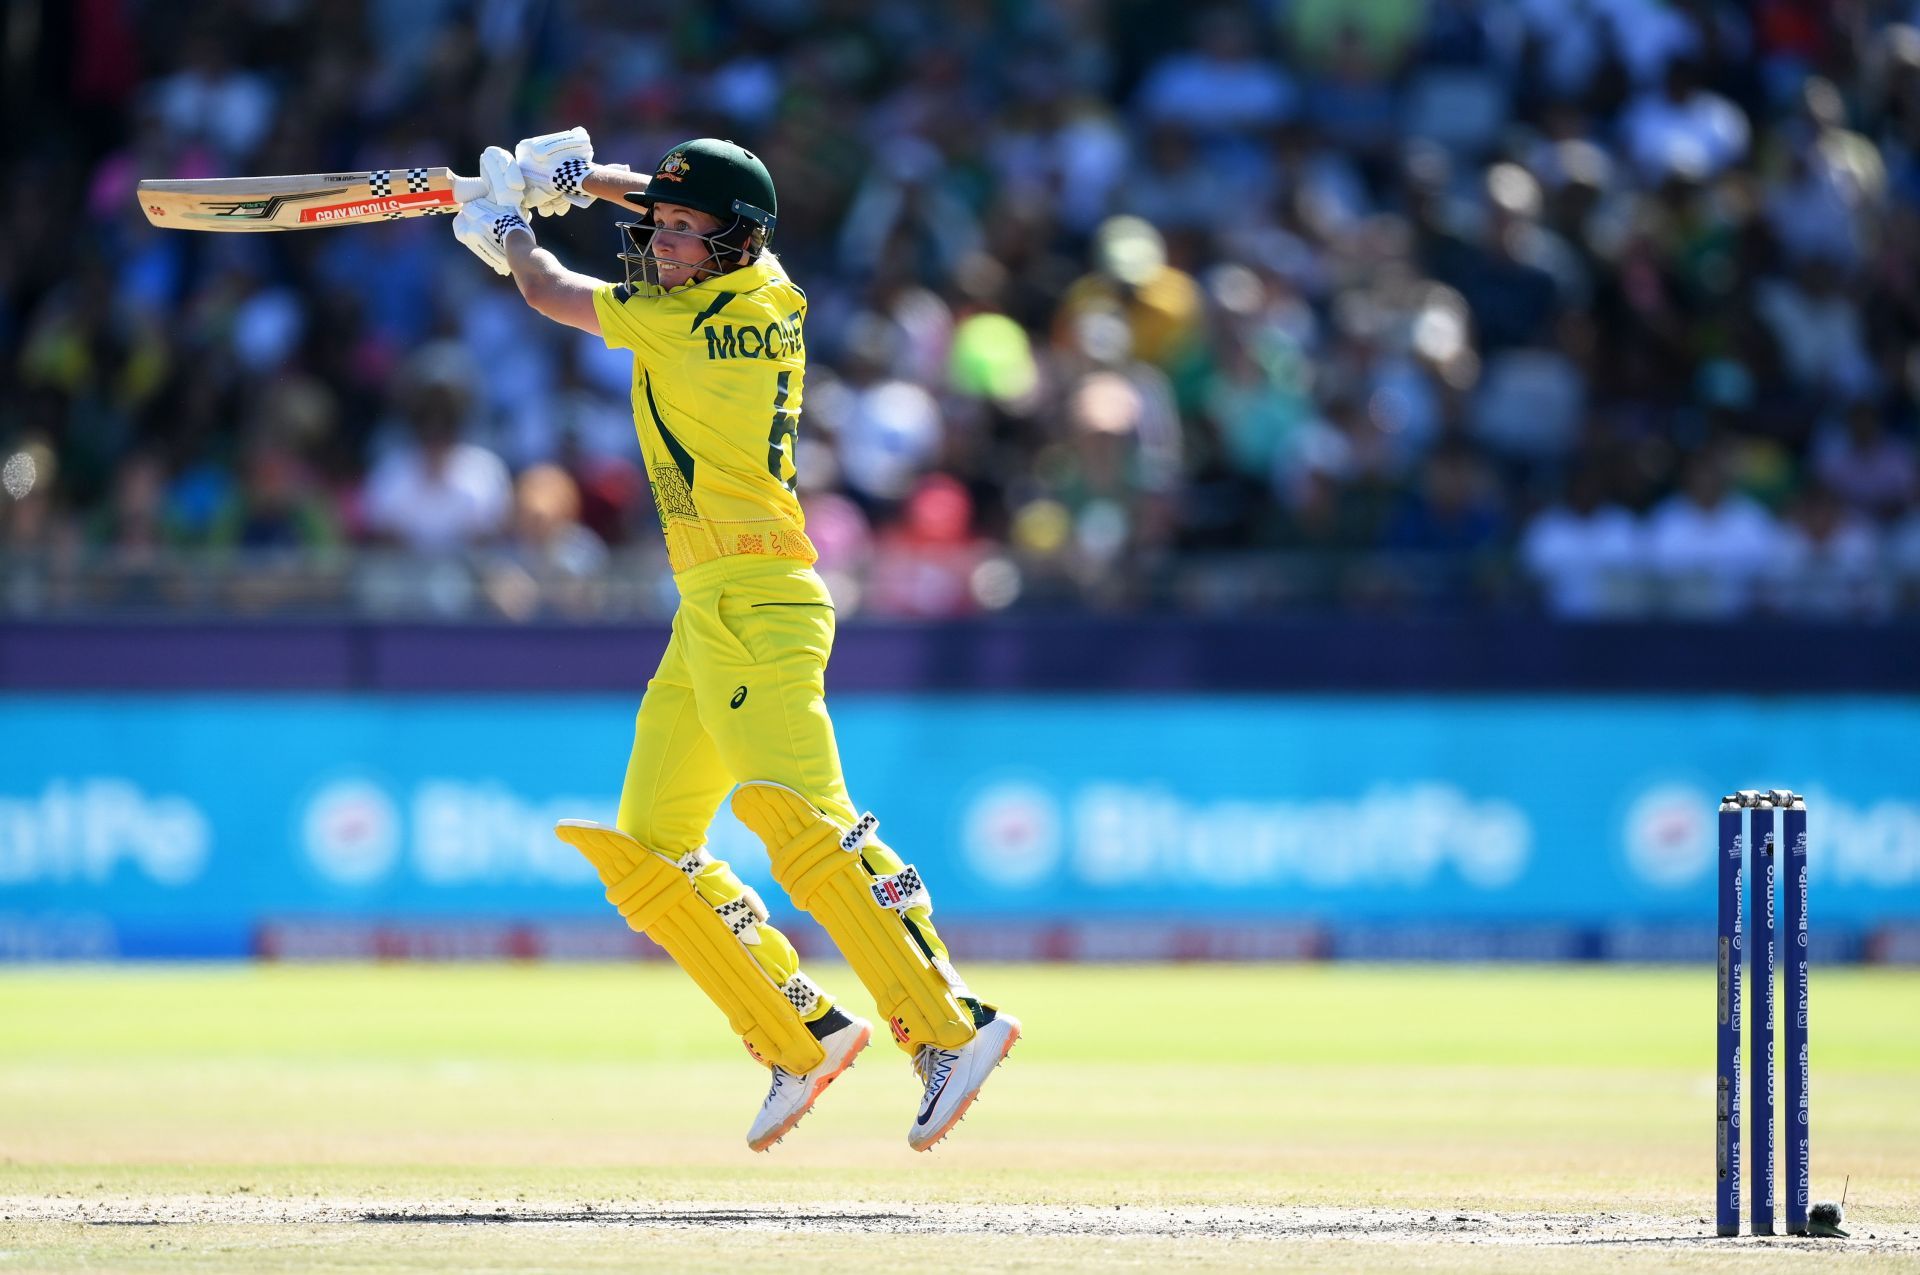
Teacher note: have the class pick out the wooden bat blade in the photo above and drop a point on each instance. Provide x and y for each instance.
(305, 202)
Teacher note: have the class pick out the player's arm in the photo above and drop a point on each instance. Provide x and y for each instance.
(500, 236)
(563, 295)
(614, 182)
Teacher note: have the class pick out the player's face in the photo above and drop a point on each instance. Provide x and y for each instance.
(677, 239)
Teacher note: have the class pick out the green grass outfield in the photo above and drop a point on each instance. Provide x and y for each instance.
(508, 1117)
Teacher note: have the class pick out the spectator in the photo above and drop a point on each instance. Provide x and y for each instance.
(889, 430)
(1860, 463)
(1585, 553)
(1129, 283)
(211, 100)
(924, 565)
(548, 538)
(1457, 508)
(1709, 547)
(1133, 279)
(435, 494)
(1683, 128)
(1220, 85)
(1829, 562)
(1903, 560)
(136, 524)
(275, 506)
(1818, 330)
(549, 561)
(1822, 210)
(1351, 103)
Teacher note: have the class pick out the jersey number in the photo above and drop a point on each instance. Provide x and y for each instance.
(784, 441)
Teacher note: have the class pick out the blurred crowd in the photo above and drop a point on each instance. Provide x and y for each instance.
(1608, 307)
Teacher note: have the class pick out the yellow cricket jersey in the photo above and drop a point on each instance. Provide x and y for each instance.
(717, 373)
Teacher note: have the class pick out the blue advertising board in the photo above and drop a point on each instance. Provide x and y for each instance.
(181, 824)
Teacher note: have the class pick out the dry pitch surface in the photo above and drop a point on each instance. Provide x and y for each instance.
(1222, 1118)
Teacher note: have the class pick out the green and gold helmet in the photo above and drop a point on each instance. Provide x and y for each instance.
(716, 177)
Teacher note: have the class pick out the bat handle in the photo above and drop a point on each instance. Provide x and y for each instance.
(468, 189)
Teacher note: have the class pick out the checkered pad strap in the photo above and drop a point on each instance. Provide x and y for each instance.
(740, 917)
(745, 915)
(569, 173)
(802, 993)
(693, 860)
(902, 890)
(862, 833)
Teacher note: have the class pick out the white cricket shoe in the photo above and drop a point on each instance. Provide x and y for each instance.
(790, 1097)
(953, 1078)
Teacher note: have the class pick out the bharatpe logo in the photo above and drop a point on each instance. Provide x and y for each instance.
(486, 834)
(1669, 836)
(351, 832)
(1011, 833)
(1116, 836)
(444, 832)
(91, 830)
(1669, 841)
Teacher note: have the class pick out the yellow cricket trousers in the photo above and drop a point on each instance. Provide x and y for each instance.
(740, 695)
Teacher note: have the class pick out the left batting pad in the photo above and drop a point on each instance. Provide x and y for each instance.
(821, 866)
(658, 898)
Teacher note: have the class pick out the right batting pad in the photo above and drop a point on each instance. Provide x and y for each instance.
(765, 997)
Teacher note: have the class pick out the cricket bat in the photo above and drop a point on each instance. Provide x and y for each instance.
(306, 202)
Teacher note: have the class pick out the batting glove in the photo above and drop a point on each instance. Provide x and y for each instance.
(553, 167)
(483, 226)
(505, 184)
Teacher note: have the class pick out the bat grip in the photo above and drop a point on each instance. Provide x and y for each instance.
(468, 189)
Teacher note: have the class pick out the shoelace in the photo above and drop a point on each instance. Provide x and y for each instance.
(774, 1090)
(931, 1061)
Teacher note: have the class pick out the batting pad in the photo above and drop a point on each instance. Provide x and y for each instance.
(715, 942)
(821, 866)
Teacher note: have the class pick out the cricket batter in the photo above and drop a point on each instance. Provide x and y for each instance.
(719, 363)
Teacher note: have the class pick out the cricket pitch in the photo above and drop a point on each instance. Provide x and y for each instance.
(556, 1117)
